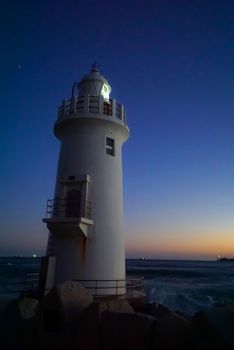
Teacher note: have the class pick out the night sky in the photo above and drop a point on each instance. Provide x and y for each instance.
(171, 63)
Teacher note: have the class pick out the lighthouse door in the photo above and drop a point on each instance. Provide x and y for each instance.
(73, 203)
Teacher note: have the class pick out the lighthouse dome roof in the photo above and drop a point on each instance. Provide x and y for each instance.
(94, 84)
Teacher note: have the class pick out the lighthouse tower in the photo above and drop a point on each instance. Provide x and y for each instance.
(85, 217)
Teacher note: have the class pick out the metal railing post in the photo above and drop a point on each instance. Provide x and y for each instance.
(134, 287)
(57, 208)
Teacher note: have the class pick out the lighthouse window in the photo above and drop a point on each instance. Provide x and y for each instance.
(105, 92)
(110, 146)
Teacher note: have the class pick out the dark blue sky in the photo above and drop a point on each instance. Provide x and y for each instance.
(171, 63)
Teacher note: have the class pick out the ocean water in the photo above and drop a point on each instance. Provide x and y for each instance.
(13, 272)
(188, 286)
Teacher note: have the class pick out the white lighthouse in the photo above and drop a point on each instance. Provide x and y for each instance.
(85, 217)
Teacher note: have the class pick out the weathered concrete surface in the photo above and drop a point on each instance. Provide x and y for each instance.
(118, 305)
(58, 313)
(28, 307)
(90, 322)
(17, 326)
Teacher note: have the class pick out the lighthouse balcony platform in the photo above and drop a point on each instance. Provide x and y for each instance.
(83, 105)
(68, 218)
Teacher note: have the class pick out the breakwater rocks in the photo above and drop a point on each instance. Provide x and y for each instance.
(68, 318)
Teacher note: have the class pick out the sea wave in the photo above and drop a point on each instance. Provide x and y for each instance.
(188, 286)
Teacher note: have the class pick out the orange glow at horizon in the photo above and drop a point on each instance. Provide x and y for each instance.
(205, 244)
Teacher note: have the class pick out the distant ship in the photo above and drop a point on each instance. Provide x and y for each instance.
(219, 258)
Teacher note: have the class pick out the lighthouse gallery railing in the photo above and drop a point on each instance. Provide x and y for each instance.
(134, 286)
(92, 104)
(65, 208)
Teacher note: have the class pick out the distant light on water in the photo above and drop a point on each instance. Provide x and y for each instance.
(34, 255)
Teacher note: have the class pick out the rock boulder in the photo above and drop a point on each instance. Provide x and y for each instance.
(214, 328)
(90, 321)
(58, 312)
(152, 309)
(172, 332)
(126, 331)
(17, 326)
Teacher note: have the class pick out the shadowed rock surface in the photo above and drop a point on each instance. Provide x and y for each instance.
(126, 331)
(17, 324)
(58, 312)
(173, 332)
(214, 328)
(68, 318)
(152, 309)
(90, 322)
